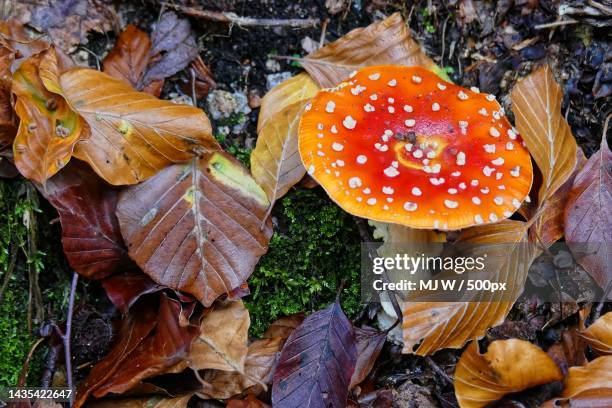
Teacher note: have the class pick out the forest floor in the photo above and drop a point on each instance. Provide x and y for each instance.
(315, 246)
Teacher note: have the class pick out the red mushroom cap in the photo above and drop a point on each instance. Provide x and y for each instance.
(398, 144)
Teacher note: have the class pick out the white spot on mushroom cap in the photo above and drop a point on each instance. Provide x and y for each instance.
(329, 108)
(349, 122)
(354, 182)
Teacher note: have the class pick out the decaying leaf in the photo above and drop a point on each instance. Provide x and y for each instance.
(150, 402)
(588, 216)
(317, 362)
(369, 342)
(90, 231)
(536, 103)
(174, 42)
(296, 89)
(48, 128)
(587, 386)
(258, 368)
(275, 162)
(508, 366)
(222, 341)
(437, 325)
(132, 134)
(196, 227)
(599, 335)
(129, 59)
(387, 42)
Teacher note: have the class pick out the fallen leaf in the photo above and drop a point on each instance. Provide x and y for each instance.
(129, 59)
(284, 326)
(249, 402)
(508, 366)
(549, 227)
(124, 289)
(149, 402)
(133, 135)
(536, 103)
(90, 230)
(437, 325)
(369, 342)
(258, 368)
(588, 216)
(589, 386)
(317, 362)
(275, 162)
(174, 40)
(222, 341)
(48, 128)
(68, 21)
(161, 350)
(599, 335)
(299, 88)
(386, 42)
(195, 227)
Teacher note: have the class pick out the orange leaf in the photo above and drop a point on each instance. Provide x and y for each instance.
(508, 366)
(599, 334)
(133, 135)
(48, 130)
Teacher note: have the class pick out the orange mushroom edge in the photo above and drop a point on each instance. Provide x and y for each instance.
(398, 144)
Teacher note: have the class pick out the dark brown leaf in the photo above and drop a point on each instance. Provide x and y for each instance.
(196, 227)
(317, 362)
(90, 231)
(369, 343)
(588, 216)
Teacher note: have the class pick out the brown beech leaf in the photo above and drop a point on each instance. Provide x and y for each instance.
(132, 134)
(317, 362)
(150, 402)
(284, 326)
(48, 128)
(588, 216)
(508, 366)
(249, 402)
(296, 89)
(222, 341)
(369, 343)
(167, 345)
(129, 58)
(599, 335)
(438, 325)
(589, 386)
(386, 42)
(536, 103)
(275, 162)
(549, 227)
(196, 227)
(90, 230)
(258, 368)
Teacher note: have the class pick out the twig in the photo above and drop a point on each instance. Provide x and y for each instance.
(233, 18)
(436, 368)
(67, 334)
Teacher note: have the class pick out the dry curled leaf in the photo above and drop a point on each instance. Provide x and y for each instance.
(317, 362)
(129, 59)
(589, 386)
(588, 216)
(48, 128)
(508, 366)
(196, 227)
(599, 335)
(132, 134)
(222, 341)
(536, 103)
(386, 42)
(437, 325)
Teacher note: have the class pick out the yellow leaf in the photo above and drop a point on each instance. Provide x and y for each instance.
(48, 128)
(387, 42)
(508, 366)
(133, 135)
(536, 102)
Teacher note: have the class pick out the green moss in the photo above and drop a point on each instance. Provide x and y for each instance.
(317, 246)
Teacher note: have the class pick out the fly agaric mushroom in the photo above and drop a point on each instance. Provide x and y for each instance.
(398, 144)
